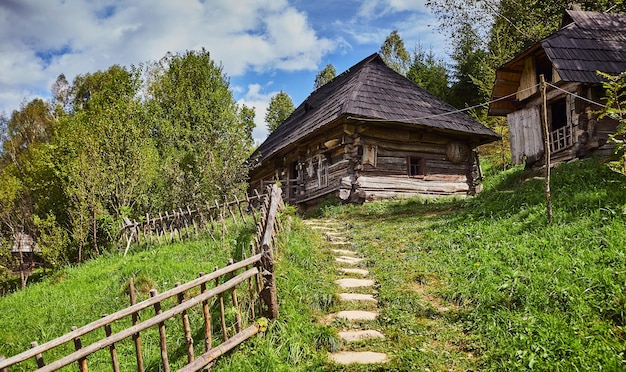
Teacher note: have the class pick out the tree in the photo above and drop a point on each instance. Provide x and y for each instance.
(279, 109)
(616, 109)
(109, 159)
(203, 137)
(325, 76)
(395, 54)
(429, 73)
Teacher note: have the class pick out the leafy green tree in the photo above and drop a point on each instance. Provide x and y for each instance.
(327, 74)
(616, 109)
(471, 71)
(279, 109)
(203, 137)
(110, 159)
(429, 73)
(395, 54)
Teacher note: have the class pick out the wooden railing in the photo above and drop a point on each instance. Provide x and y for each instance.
(258, 272)
(561, 138)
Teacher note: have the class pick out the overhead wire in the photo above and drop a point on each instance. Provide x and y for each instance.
(576, 95)
(484, 104)
(455, 111)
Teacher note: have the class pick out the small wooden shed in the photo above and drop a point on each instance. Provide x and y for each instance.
(371, 133)
(569, 60)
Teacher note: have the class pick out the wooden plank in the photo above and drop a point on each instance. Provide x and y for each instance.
(409, 184)
(206, 358)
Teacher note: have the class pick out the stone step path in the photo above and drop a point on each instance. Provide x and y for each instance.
(354, 278)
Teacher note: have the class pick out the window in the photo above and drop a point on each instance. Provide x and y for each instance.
(415, 166)
(558, 114)
(322, 171)
(560, 130)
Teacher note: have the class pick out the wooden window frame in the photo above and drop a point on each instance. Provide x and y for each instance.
(410, 160)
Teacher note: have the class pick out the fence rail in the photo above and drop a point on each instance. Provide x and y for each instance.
(259, 268)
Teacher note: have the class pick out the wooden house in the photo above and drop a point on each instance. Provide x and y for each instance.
(371, 133)
(569, 60)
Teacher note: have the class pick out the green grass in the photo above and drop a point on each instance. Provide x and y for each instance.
(76, 296)
(80, 295)
(482, 284)
(487, 284)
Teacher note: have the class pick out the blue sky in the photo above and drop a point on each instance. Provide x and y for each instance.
(265, 46)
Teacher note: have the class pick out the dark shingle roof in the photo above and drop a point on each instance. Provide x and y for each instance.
(588, 42)
(592, 42)
(371, 90)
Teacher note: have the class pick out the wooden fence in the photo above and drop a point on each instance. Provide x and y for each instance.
(258, 273)
(188, 222)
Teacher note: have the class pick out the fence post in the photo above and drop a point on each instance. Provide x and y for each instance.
(135, 318)
(186, 327)
(207, 319)
(38, 357)
(162, 334)
(78, 344)
(233, 294)
(267, 262)
(112, 351)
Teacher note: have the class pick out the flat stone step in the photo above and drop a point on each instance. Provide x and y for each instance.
(360, 335)
(357, 297)
(356, 315)
(339, 243)
(361, 272)
(343, 251)
(322, 228)
(354, 283)
(361, 357)
(349, 260)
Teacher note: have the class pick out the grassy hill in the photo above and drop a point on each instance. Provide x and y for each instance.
(487, 284)
(477, 284)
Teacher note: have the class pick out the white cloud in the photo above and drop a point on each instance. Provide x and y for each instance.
(376, 19)
(260, 101)
(39, 40)
(380, 8)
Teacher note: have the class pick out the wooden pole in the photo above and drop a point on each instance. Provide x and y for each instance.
(267, 262)
(546, 137)
(114, 362)
(186, 327)
(162, 334)
(233, 294)
(243, 218)
(135, 318)
(5, 369)
(207, 318)
(78, 344)
(222, 315)
(38, 357)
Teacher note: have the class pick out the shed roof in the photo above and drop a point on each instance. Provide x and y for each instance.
(591, 42)
(371, 90)
(588, 42)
